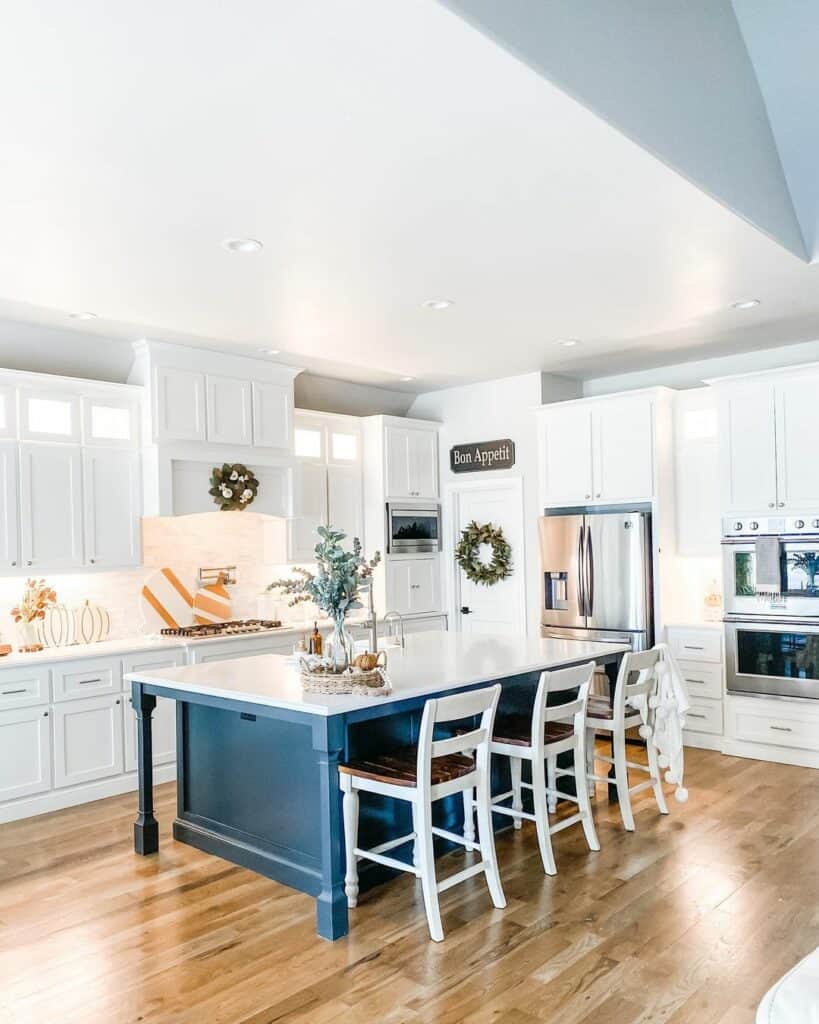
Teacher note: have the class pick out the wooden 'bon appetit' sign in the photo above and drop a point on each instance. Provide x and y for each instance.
(482, 455)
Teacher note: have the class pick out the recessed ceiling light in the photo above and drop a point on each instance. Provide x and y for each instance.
(83, 315)
(568, 342)
(242, 245)
(269, 351)
(437, 303)
(406, 380)
(745, 304)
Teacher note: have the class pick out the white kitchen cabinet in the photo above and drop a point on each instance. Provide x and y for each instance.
(697, 474)
(566, 455)
(88, 740)
(272, 415)
(246, 648)
(344, 499)
(180, 405)
(110, 422)
(8, 411)
(748, 447)
(9, 507)
(414, 585)
(623, 450)
(228, 410)
(311, 511)
(51, 506)
(797, 434)
(47, 415)
(24, 687)
(25, 752)
(112, 499)
(86, 677)
(412, 463)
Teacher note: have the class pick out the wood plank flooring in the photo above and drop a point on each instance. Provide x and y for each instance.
(689, 919)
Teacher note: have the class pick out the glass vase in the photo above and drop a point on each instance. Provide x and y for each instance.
(340, 646)
(29, 636)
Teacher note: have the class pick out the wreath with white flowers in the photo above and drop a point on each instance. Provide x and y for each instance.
(468, 548)
(233, 487)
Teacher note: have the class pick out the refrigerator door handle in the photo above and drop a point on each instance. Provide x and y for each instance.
(589, 574)
(581, 590)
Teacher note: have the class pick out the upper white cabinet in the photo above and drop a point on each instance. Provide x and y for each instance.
(51, 506)
(229, 410)
(411, 462)
(9, 508)
(697, 477)
(413, 585)
(8, 411)
(598, 451)
(110, 422)
(180, 405)
(48, 415)
(272, 415)
(769, 427)
(112, 499)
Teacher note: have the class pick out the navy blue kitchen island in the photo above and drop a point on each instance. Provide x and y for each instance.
(257, 759)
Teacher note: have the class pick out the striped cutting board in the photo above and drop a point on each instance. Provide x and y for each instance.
(166, 602)
(212, 603)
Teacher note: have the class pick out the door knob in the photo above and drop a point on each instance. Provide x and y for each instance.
(465, 610)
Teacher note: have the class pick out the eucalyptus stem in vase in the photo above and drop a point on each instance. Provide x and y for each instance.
(334, 587)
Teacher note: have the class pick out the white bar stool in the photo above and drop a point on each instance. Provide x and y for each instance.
(539, 739)
(432, 771)
(616, 719)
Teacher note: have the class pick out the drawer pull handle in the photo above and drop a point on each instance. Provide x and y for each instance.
(700, 681)
(694, 714)
(782, 728)
(84, 682)
(9, 693)
(692, 647)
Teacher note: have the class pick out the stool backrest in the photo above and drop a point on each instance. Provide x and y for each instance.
(579, 678)
(637, 678)
(481, 702)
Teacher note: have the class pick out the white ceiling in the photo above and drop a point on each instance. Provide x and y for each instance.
(386, 154)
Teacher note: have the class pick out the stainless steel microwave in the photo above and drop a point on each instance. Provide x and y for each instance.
(413, 529)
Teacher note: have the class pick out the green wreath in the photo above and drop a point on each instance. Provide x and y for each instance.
(466, 554)
(233, 487)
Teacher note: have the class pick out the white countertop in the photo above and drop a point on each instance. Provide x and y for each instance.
(429, 663)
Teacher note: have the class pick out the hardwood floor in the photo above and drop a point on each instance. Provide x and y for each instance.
(690, 918)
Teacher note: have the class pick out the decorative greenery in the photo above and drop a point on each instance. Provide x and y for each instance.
(37, 596)
(233, 487)
(335, 587)
(808, 562)
(466, 554)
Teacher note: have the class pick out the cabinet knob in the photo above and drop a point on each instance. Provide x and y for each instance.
(771, 504)
(45, 714)
(597, 495)
(92, 560)
(14, 563)
(781, 504)
(588, 496)
(116, 702)
(29, 562)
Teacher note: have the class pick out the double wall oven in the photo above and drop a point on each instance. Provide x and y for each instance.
(772, 630)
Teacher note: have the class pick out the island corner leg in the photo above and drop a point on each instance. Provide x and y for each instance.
(146, 827)
(332, 921)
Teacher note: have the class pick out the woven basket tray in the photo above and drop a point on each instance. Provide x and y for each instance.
(364, 684)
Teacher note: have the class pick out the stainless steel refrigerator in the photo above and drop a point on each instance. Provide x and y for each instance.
(596, 577)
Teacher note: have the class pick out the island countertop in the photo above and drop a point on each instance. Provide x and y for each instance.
(429, 663)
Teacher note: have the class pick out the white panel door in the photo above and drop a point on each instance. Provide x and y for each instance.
(111, 504)
(272, 415)
(499, 608)
(87, 740)
(748, 447)
(623, 445)
(344, 499)
(398, 579)
(180, 405)
(422, 455)
(228, 404)
(110, 422)
(9, 507)
(398, 462)
(311, 512)
(49, 416)
(51, 506)
(424, 585)
(25, 752)
(566, 456)
(797, 438)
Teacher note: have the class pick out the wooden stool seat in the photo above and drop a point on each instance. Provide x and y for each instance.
(517, 730)
(400, 768)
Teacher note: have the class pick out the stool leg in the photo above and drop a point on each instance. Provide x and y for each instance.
(469, 816)
(416, 860)
(590, 738)
(621, 779)
(350, 812)
(515, 766)
(542, 817)
(654, 765)
(426, 856)
(582, 787)
(551, 769)
(487, 842)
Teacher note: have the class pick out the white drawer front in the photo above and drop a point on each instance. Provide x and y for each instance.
(782, 729)
(87, 678)
(704, 716)
(145, 661)
(695, 644)
(702, 679)
(201, 653)
(24, 687)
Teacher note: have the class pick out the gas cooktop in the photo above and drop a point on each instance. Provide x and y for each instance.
(238, 627)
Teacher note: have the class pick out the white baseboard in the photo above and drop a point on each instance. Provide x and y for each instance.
(768, 752)
(702, 740)
(58, 799)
